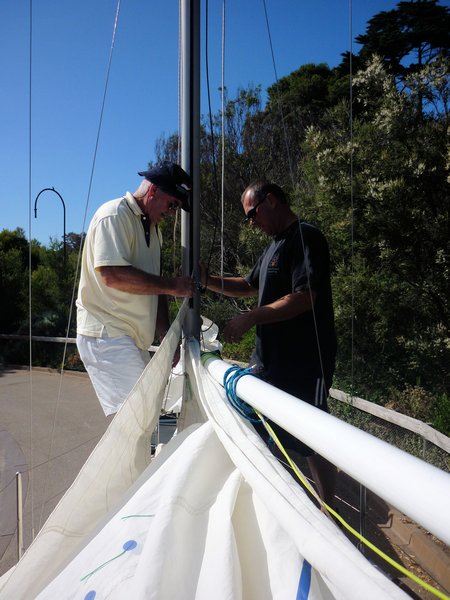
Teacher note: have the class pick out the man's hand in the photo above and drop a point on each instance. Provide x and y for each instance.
(237, 326)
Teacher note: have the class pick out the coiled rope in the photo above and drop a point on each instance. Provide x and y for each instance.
(230, 381)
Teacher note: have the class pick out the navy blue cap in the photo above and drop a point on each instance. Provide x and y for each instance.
(172, 179)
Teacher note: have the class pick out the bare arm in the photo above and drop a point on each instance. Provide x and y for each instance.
(134, 281)
(284, 308)
(162, 317)
(163, 324)
(232, 286)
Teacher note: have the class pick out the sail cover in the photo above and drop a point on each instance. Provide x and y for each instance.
(214, 515)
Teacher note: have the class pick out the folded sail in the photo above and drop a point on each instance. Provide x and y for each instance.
(213, 516)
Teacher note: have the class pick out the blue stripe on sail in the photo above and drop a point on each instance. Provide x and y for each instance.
(305, 582)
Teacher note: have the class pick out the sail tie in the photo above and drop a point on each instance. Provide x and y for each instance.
(230, 381)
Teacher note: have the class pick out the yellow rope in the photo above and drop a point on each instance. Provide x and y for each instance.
(349, 528)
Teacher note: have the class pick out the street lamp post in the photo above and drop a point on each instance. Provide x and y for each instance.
(52, 189)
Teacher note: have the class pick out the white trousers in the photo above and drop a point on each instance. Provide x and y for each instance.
(114, 365)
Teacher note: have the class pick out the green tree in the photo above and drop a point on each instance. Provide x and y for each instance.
(411, 35)
(407, 38)
(14, 261)
(390, 248)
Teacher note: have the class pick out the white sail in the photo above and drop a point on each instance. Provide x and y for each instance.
(213, 516)
(116, 462)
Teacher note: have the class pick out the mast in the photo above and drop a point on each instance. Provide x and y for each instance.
(190, 151)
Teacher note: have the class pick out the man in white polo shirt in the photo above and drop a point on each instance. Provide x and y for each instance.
(122, 302)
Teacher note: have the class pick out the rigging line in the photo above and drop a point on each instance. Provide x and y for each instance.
(352, 207)
(352, 245)
(179, 83)
(222, 249)
(81, 245)
(291, 172)
(213, 144)
(279, 101)
(29, 261)
(308, 277)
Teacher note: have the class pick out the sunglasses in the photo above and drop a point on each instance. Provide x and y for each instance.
(250, 216)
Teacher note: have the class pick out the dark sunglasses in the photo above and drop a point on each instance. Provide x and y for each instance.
(250, 216)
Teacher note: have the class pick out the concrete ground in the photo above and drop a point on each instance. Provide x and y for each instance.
(67, 422)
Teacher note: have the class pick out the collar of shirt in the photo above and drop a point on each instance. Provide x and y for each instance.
(131, 201)
(133, 205)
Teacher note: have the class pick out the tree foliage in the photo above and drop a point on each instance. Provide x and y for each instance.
(408, 37)
(50, 280)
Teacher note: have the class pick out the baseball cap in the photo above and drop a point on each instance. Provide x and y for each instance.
(172, 179)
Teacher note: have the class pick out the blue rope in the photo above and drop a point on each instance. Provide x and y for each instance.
(230, 381)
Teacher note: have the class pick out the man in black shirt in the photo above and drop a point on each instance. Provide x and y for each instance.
(295, 337)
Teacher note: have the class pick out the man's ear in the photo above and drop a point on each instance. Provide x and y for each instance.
(272, 200)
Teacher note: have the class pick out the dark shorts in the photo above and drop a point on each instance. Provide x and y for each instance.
(313, 391)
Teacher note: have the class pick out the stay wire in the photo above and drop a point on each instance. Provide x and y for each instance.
(352, 204)
(30, 328)
(230, 380)
(211, 126)
(279, 101)
(293, 182)
(179, 87)
(222, 247)
(180, 83)
(177, 220)
(81, 242)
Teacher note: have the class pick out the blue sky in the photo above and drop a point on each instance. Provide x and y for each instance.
(70, 50)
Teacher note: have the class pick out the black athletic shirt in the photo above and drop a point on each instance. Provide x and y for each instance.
(287, 352)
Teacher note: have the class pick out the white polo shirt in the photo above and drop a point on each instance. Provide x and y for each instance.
(116, 238)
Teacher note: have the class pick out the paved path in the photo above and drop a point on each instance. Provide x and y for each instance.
(67, 422)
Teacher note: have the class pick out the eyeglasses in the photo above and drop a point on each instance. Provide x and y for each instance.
(250, 216)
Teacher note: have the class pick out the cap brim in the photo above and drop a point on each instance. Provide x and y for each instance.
(178, 192)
